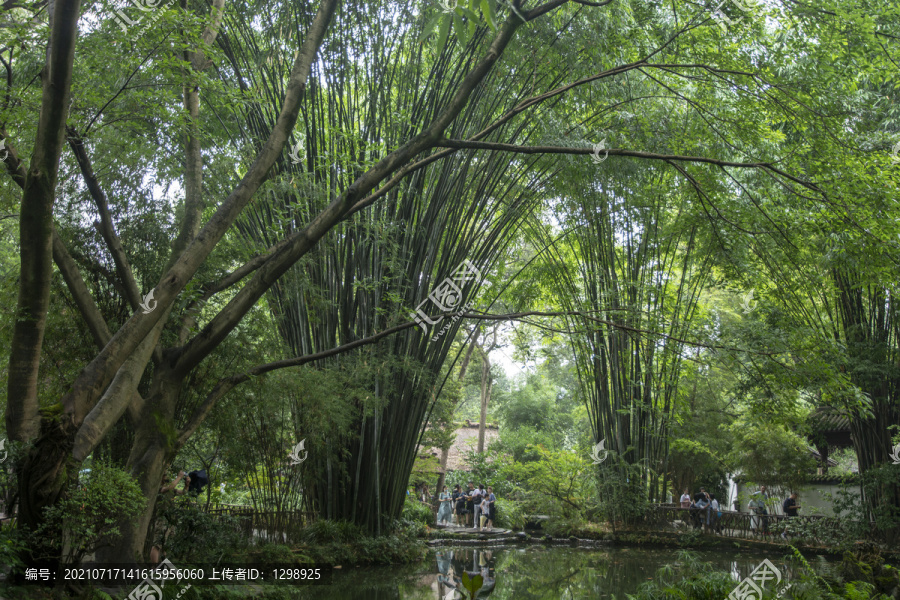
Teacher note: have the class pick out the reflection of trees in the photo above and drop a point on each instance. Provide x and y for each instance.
(538, 573)
(532, 573)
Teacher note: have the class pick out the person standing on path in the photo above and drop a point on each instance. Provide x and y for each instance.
(701, 502)
(758, 505)
(485, 511)
(477, 496)
(685, 499)
(492, 508)
(470, 505)
(461, 509)
(713, 514)
(790, 507)
(444, 510)
(454, 505)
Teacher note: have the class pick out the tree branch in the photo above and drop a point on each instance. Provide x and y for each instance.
(225, 385)
(614, 152)
(106, 227)
(95, 377)
(83, 299)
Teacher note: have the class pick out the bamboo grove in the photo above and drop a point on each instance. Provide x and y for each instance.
(251, 190)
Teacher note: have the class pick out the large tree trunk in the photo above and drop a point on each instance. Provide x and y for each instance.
(151, 453)
(36, 225)
(44, 476)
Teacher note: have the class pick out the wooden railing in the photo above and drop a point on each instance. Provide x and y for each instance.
(281, 526)
(816, 529)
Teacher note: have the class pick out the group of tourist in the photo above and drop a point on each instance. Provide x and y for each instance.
(475, 506)
(705, 511)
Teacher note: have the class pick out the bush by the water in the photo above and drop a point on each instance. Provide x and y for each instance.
(858, 577)
(510, 515)
(88, 516)
(201, 537)
(339, 542)
(416, 512)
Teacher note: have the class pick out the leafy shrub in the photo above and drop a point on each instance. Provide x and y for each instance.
(201, 537)
(325, 531)
(510, 515)
(275, 553)
(877, 482)
(691, 579)
(87, 516)
(416, 512)
(335, 542)
(622, 498)
(11, 548)
(563, 527)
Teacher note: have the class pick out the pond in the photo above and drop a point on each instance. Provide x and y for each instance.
(531, 572)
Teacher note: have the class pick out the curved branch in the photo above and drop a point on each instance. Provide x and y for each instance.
(227, 384)
(106, 227)
(633, 153)
(95, 377)
(83, 299)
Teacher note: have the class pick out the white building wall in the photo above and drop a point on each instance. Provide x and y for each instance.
(814, 498)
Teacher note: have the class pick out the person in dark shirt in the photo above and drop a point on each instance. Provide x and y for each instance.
(790, 507)
(461, 509)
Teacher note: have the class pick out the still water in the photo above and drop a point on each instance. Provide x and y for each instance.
(523, 573)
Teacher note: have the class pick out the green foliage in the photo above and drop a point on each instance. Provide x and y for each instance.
(510, 514)
(622, 500)
(532, 405)
(89, 515)
(275, 553)
(416, 512)
(340, 542)
(11, 547)
(472, 584)
(324, 530)
(691, 579)
(557, 484)
(688, 579)
(201, 537)
(770, 454)
(858, 519)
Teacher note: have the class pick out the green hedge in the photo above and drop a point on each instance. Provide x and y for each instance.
(510, 515)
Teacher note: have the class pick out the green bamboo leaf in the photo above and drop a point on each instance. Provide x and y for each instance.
(459, 27)
(490, 13)
(443, 32)
(430, 24)
(470, 14)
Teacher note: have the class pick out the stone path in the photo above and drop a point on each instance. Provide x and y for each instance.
(472, 530)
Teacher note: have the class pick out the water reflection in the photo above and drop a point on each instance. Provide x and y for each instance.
(529, 573)
(451, 565)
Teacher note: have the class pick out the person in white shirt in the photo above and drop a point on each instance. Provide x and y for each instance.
(713, 514)
(485, 512)
(685, 500)
(477, 496)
